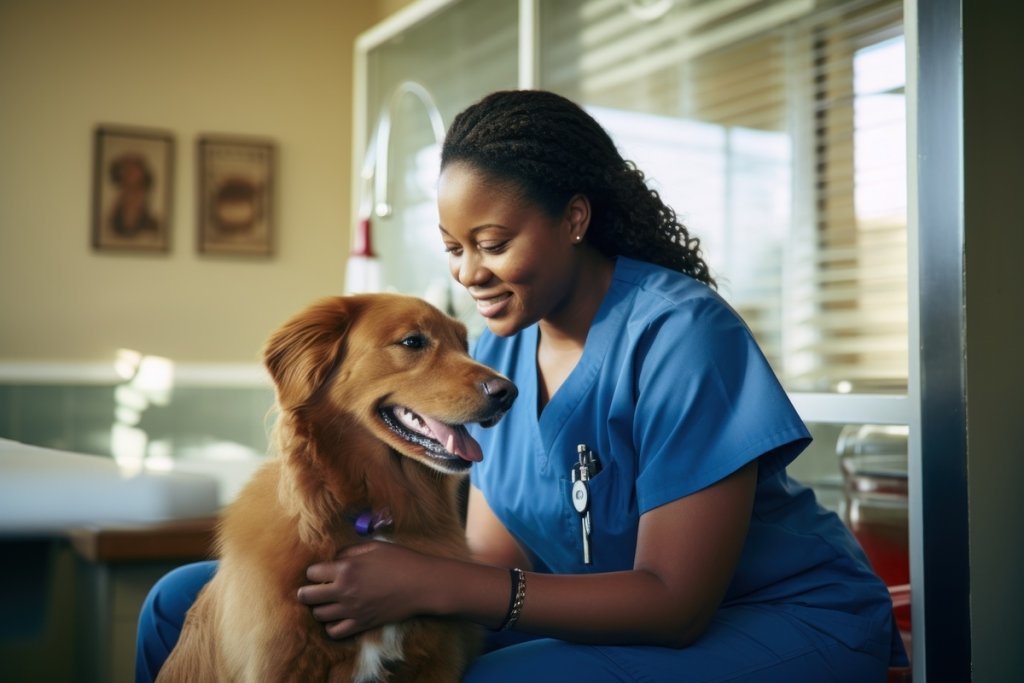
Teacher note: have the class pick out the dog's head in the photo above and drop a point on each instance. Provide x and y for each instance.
(395, 365)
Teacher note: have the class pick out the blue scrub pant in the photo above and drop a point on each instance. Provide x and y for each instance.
(744, 644)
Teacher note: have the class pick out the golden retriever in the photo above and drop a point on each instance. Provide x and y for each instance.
(373, 392)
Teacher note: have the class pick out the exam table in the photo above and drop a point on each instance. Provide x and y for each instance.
(81, 541)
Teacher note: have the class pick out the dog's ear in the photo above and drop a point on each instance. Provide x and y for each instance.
(304, 351)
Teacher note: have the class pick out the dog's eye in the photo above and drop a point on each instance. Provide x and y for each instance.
(414, 341)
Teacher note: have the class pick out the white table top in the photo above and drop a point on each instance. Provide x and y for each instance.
(47, 491)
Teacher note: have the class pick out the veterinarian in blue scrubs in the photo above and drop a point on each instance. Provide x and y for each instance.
(632, 517)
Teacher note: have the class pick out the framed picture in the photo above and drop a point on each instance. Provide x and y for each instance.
(235, 195)
(132, 181)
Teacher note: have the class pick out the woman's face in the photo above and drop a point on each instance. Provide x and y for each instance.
(514, 259)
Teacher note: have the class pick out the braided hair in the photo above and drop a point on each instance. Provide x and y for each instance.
(551, 149)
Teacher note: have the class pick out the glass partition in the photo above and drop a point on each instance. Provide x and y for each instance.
(416, 81)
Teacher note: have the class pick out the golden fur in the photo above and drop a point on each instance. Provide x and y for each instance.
(335, 365)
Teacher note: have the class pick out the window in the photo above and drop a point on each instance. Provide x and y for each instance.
(785, 125)
(775, 129)
(411, 88)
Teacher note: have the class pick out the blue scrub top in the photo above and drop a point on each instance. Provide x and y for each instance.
(672, 394)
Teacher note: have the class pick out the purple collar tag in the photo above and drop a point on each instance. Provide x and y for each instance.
(369, 523)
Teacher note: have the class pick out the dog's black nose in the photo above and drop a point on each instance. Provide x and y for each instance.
(501, 392)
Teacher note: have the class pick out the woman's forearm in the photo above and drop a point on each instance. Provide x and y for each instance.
(630, 607)
(687, 551)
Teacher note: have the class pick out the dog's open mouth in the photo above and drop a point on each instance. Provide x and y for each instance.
(451, 443)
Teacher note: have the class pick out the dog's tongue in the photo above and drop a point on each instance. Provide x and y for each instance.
(456, 440)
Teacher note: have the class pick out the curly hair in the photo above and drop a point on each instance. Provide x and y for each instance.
(551, 149)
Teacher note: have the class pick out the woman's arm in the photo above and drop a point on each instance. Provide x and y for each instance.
(687, 551)
(686, 554)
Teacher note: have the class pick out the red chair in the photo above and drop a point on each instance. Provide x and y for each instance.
(901, 610)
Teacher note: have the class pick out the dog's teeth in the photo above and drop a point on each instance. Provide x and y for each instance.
(414, 417)
(450, 445)
(411, 420)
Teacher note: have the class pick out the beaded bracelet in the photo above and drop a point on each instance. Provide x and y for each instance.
(517, 596)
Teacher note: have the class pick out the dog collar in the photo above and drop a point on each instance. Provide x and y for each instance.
(368, 523)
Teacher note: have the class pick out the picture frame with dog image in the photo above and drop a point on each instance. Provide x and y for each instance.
(235, 193)
(133, 175)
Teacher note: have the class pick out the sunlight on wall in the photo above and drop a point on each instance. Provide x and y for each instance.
(138, 441)
(149, 380)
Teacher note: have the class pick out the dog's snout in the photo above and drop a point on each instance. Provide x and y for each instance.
(500, 391)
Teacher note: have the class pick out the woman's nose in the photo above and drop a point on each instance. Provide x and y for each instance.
(470, 271)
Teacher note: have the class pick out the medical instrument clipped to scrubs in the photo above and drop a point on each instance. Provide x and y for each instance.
(582, 472)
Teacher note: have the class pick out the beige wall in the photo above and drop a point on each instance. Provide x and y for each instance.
(388, 7)
(280, 70)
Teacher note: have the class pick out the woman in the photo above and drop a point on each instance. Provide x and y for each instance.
(703, 561)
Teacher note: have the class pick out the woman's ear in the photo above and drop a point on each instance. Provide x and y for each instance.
(577, 217)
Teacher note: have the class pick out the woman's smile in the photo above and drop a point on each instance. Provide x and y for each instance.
(493, 306)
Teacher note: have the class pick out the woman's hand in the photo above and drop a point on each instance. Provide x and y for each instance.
(366, 586)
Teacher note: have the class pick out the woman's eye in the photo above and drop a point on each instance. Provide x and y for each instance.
(453, 249)
(414, 341)
(492, 247)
